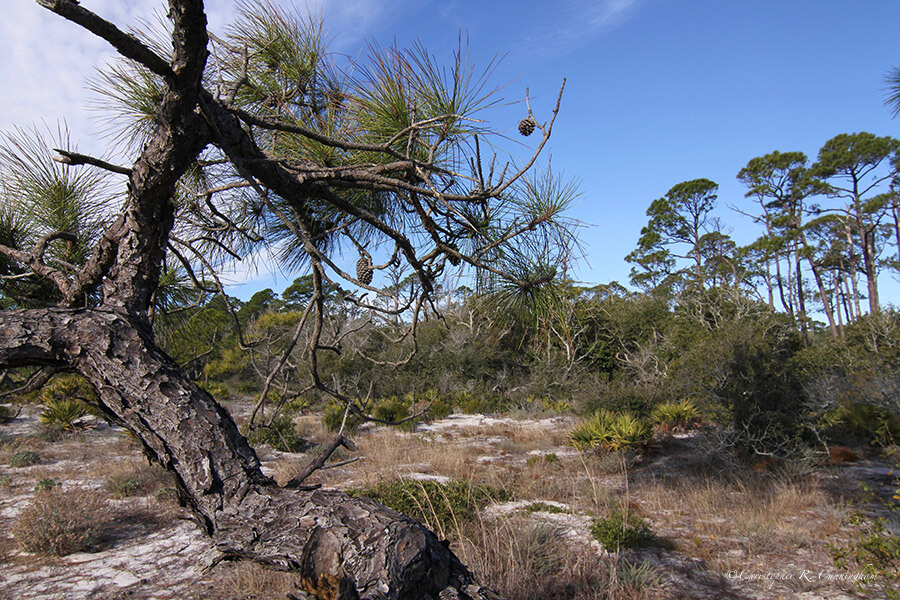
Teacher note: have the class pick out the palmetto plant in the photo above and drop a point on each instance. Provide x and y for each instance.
(611, 431)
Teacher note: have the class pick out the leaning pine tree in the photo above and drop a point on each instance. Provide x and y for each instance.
(233, 145)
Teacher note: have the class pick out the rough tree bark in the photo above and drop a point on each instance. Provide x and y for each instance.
(342, 547)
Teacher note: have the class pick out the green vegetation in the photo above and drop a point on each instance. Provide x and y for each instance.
(62, 414)
(611, 432)
(281, 434)
(621, 531)
(48, 483)
(679, 415)
(440, 506)
(24, 458)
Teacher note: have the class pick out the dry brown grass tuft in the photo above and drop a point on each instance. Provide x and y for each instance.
(57, 522)
(533, 561)
(250, 581)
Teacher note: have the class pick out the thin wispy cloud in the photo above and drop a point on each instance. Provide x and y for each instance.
(578, 22)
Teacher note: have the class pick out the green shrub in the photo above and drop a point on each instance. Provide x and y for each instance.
(611, 431)
(333, 416)
(873, 424)
(125, 486)
(68, 386)
(875, 554)
(166, 495)
(441, 408)
(682, 414)
(57, 523)
(48, 483)
(24, 458)
(281, 435)
(620, 531)
(392, 410)
(62, 413)
(7, 413)
(5, 481)
(439, 506)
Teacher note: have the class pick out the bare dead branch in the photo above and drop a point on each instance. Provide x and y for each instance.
(74, 158)
(126, 44)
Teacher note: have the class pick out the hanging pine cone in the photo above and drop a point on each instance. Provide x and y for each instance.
(454, 260)
(526, 126)
(364, 269)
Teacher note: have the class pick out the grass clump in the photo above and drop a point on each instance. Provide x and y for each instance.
(24, 458)
(142, 480)
(621, 531)
(280, 434)
(57, 523)
(439, 506)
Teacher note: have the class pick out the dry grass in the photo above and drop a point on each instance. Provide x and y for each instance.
(533, 561)
(137, 479)
(57, 523)
(249, 581)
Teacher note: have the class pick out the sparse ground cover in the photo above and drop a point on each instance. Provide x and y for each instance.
(513, 497)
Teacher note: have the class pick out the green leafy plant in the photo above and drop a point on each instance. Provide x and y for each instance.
(281, 434)
(610, 431)
(333, 416)
(24, 458)
(621, 530)
(7, 414)
(394, 409)
(675, 415)
(874, 424)
(62, 413)
(48, 483)
(5, 481)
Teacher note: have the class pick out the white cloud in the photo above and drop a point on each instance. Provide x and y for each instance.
(578, 22)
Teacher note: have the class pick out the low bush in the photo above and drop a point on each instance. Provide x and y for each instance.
(58, 523)
(333, 416)
(281, 434)
(7, 413)
(48, 483)
(872, 424)
(621, 531)
(24, 458)
(393, 410)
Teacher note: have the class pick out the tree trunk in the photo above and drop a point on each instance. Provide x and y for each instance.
(343, 547)
(854, 277)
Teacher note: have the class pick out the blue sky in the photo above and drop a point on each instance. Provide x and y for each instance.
(658, 92)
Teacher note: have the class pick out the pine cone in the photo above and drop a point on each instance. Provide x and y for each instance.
(526, 126)
(454, 260)
(364, 269)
